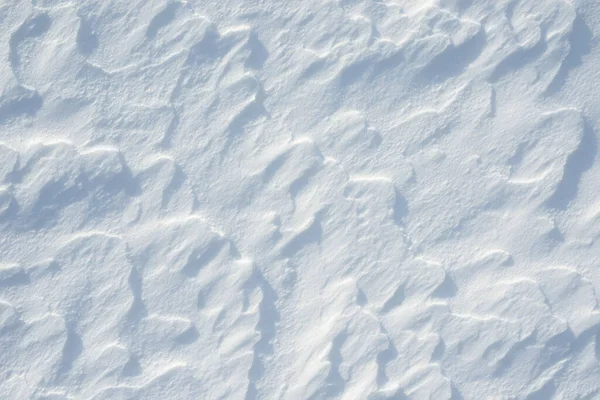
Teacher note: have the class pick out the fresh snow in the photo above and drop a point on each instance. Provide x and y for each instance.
(270, 199)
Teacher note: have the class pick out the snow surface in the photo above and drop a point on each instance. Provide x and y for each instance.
(299, 199)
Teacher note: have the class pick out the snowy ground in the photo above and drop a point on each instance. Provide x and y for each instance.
(299, 199)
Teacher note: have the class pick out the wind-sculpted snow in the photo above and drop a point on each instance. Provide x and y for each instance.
(343, 199)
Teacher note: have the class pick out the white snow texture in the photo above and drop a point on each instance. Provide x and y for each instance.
(349, 199)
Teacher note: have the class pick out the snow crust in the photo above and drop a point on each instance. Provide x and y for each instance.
(299, 200)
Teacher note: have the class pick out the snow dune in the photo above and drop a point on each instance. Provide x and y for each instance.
(344, 199)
